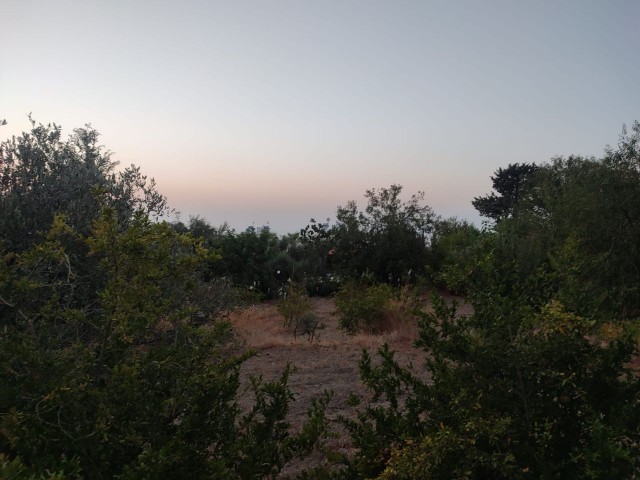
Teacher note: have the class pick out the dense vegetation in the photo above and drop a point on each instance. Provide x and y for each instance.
(116, 360)
(537, 382)
(114, 356)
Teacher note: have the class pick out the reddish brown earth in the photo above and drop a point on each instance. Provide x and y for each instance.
(329, 362)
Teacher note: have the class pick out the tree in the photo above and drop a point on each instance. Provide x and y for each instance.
(577, 219)
(42, 175)
(510, 184)
(454, 248)
(251, 260)
(580, 222)
(313, 251)
(537, 382)
(592, 223)
(388, 240)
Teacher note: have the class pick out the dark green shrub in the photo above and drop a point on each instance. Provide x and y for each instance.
(322, 286)
(114, 359)
(363, 307)
(140, 384)
(455, 246)
(515, 391)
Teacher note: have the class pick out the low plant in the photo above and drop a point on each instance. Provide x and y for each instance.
(308, 325)
(295, 307)
(363, 307)
(402, 308)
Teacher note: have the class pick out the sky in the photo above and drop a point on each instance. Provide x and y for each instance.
(274, 112)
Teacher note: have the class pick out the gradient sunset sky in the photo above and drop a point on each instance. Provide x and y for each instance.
(278, 111)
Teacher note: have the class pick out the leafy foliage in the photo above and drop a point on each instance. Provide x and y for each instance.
(579, 224)
(296, 309)
(388, 240)
(250, 260)
(313, 251)
(454, 248)
(363, 307)
(515, 392)
(140, 384)
(114, 358)
(537, 382)
(42, 175)
(510, 183)
(116, 361)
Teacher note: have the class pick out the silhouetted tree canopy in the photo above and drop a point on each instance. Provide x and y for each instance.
(509, 184)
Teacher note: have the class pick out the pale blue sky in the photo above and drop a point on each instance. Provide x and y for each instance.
(279, 111)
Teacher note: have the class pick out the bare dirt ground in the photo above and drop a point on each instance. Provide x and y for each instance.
(329, 362)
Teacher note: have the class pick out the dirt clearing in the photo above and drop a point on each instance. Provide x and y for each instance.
(330, 362)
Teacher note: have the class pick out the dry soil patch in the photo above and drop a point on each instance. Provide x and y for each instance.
(330, 362)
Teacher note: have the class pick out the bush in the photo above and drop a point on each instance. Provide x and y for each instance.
(140, 384)
(322, 286)
(516, 392)
(455, 246)
(308, 325)
(403, 308)
(114, 359)
(295, 307)
(364, 307)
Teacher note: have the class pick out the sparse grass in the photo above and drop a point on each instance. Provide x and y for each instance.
(329, 362)
(260, 326)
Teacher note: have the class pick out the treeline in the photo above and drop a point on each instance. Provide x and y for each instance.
(116, 360)
(387, 242)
